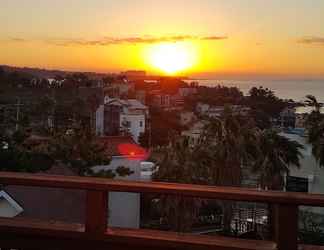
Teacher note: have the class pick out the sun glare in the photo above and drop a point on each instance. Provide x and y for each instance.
(172, 58)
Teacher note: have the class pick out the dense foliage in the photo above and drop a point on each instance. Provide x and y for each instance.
(225, 146)
(265, 106)
(315, 127)
(17, 157)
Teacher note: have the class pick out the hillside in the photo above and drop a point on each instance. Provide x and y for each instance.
(47, 73)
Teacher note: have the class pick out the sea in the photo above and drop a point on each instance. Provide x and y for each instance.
(285, 89)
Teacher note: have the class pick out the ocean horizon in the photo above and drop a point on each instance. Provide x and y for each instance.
(285, 89)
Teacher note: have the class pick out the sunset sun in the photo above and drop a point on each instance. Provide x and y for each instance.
(172, 58)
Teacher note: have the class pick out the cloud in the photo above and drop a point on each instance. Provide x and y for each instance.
(106, 41)
(314, 40)
(213, 38)
(18, 39)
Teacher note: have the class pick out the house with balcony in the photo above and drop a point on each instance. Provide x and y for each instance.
(213, 111)
(125, 117)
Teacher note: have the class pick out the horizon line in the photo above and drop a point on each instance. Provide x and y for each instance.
(193, 76)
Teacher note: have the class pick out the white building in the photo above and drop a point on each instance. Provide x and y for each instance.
(309, 170)
(124, 208)
(134, 123)
(217, 111)
(131, 115)
(209, 110)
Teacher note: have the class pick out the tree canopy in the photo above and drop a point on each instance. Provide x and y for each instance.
(226, 145)
(265, 105)
(315, 128)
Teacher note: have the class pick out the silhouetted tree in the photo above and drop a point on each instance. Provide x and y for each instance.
(144, 139)
(315, 128)
(17, 157)
(165, 126)
(264, 105)
(79, 149)
(178, 164)
(276, 155)
(216, 159)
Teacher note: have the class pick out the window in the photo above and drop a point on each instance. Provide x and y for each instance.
(141, 124)
(126, 124)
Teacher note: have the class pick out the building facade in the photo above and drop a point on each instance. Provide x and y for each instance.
(125, 117)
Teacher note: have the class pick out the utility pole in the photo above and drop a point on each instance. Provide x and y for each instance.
(150, 133)
(17, 113)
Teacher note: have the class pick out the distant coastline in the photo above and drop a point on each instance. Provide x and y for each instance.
(295, 89)
(286, 89)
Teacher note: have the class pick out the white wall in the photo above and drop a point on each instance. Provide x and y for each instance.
(124, 208)
(309, 169)
(135, 129)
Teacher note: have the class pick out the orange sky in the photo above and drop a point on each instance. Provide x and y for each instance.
(233, 37)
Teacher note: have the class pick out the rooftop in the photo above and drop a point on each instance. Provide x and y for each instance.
(122, 146)
(130, 103)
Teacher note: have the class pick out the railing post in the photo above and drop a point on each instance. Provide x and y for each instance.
(96, 212)
(284, 226)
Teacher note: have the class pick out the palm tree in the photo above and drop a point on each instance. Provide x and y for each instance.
(225, 146)
(46, 109)
(315, 127)
(230, 143)
(177, 163)
(312, 101)
(216, 159)
(79, 149)
(276, 155)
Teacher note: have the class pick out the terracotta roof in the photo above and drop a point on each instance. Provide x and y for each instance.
(112, 144)
(131, 103)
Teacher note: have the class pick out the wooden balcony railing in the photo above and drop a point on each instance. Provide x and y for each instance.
(95, 234)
